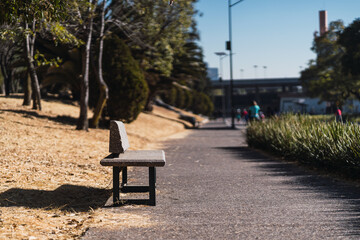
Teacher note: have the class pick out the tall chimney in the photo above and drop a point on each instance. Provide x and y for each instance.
(323, 22)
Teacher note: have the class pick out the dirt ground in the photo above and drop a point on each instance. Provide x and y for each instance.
(51, 183)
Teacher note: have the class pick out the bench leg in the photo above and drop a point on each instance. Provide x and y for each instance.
(116, 187)
(152, 181)
(124, 176)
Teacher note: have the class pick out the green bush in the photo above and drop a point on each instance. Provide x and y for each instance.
(326, 145)
(197, 102)
(188, 99)
(180, 98)
(209, 106)
(128, 90)
(202, 104)
(168, 96)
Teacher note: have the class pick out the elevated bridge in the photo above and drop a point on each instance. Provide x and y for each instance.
(267, 92)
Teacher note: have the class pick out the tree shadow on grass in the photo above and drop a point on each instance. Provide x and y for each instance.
(65, 198)
(301, 178)
(60, 119)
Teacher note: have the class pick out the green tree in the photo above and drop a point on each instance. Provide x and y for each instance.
(83, 123)
(80, 20)
(202, 104)
(127, 88)
(189, 66)
(100, 14)
(29, 17)
(67, 74)
(350, 41)
(7, 48)
(169, 96)
(324, 77)
(188, 99)
(180, 98)
(160, 34)
(104, 90)
(190, 72)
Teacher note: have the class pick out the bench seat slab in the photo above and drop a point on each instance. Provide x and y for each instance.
(140, 158)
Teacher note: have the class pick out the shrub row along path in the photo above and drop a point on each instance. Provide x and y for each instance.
(215, 187)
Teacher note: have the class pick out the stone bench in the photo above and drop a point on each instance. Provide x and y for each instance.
(121, 158)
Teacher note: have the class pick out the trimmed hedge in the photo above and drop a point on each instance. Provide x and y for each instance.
(202, 104)
(128, 89)
(326, 145)
(197, 102)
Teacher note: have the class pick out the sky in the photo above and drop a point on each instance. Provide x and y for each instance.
(275, 35)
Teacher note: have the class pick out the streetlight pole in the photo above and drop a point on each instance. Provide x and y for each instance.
(242, 73)
(265, 67)
(231, 66)
(222, 55)
(255, 71)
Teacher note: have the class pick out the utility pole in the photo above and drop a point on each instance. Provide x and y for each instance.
(265, 67)
(221, 56)
(229, 47)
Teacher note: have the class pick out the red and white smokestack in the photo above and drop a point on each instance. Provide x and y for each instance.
(323, 22)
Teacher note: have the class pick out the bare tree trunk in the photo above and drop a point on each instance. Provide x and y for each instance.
(14, 82)
(7, 79)
(27, 90)
(6, 74)
(6, 85)
(83, 122)
(3, 88)
(104, 91)
(3, 83)
(30, 44)
(150, 101)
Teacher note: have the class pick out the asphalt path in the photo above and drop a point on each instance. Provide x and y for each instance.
(214, 187)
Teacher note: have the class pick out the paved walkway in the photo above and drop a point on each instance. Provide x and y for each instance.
(215, 187)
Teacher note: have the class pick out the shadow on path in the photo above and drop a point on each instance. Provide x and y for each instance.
(215, 128)
(66, 198)
(301, 179)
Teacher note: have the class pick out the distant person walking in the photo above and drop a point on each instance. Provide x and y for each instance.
(245, 115)
(338, 115)
(238, 115)
(254, 112)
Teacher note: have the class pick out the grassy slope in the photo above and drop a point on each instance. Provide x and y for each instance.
(51, 182)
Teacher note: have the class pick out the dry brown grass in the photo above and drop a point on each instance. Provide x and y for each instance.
(51, 182)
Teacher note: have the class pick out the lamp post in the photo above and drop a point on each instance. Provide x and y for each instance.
(255, 71)
(265, 67)
(229, 47)
(221, 56)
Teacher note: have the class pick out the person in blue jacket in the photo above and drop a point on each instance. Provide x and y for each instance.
(254, 112)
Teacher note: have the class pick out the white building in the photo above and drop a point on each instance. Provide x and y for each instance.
(302, 105)
(309, 105)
